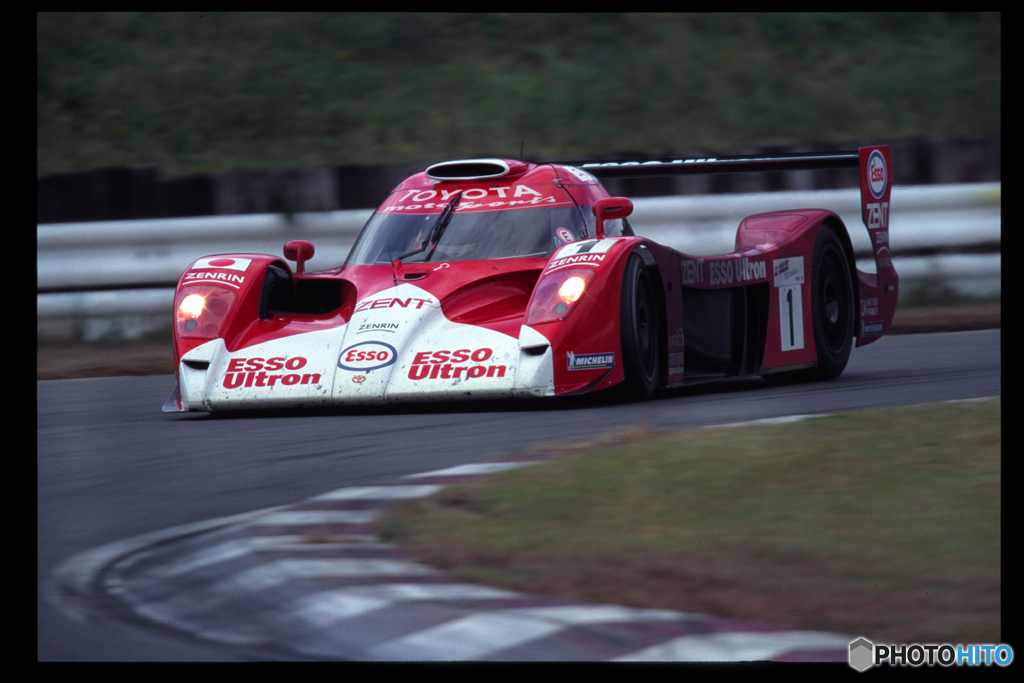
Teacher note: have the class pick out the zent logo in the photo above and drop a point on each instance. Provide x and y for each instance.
(878, 217)
(367, 356)
(692, 271)
(411, 302)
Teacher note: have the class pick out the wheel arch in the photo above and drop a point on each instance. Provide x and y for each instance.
(837, 225)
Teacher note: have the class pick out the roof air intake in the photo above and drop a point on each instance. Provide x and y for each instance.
(468, 169)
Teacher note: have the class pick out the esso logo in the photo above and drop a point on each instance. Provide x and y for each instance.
(878, 174)
(366, 356)
(564, 236)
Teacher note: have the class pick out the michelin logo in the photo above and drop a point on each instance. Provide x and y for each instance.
(590, 361)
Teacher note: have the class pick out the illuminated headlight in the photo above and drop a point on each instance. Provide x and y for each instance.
(200, 311)
(191, 306)
(572, 289)
(556, 294)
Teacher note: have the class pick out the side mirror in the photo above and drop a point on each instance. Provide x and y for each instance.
(610, 207)
(299, 251)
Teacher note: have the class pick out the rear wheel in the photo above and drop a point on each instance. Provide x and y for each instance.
(831, 304)
(639, 330)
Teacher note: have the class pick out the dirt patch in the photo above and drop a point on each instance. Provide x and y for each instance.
(77, 361)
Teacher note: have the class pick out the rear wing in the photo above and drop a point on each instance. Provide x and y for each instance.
(874, 164)
(875, 179)
(738, 164)
(878, 291)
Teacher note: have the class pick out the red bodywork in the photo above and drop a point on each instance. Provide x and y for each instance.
(744, 313)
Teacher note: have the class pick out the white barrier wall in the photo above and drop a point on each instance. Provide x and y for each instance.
(85, 257)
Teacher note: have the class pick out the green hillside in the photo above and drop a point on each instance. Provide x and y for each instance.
(201, 92)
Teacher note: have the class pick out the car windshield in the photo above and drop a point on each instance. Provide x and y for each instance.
(471, 235)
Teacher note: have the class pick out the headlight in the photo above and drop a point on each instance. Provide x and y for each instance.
(200, 311)
(557, 293)
(191, 306)
(572, 289)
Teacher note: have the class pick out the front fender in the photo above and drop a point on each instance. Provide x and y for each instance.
(585, 341)
(217, 297)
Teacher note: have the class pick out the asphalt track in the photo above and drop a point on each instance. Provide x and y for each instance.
(112, 468)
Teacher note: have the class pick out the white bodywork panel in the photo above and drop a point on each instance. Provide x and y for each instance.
(397, 346)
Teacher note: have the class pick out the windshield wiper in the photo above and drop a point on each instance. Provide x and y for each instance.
(435, 233)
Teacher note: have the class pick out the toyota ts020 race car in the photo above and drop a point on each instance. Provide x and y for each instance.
(489, 278)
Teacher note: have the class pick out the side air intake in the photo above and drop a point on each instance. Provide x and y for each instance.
(469, 169)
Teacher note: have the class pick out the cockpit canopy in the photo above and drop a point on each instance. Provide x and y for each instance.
(520, 233)
(483, 209)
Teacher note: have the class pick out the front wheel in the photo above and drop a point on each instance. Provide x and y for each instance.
(639, 330)
(832, 304)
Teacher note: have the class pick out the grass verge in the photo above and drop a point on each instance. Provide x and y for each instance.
(883, 523)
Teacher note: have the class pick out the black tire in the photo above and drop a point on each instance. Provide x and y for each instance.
(832, 304)
(639, 330)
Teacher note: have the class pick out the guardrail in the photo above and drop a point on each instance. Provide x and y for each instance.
(116, 279)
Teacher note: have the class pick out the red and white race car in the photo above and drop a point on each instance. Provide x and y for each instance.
(489, 278)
